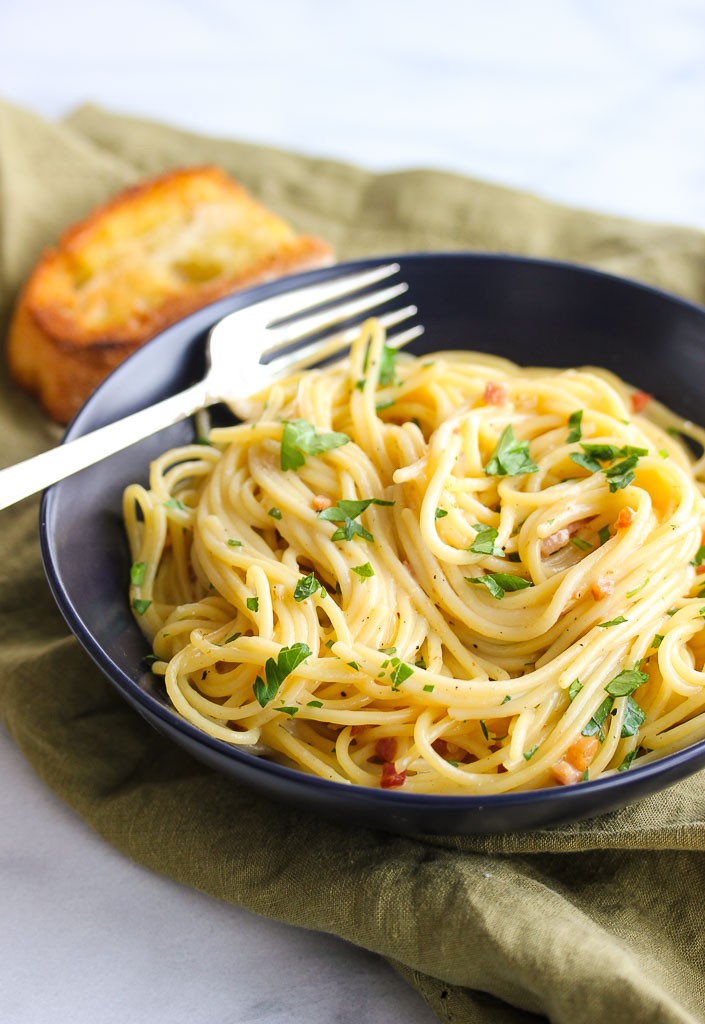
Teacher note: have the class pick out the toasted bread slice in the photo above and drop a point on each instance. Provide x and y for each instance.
(153, 254)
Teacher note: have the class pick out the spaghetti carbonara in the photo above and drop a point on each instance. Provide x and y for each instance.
(445, 574)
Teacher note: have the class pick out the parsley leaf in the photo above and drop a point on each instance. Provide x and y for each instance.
(441, 512)
(387, 365)
(575, 422)
(612, 622)
(598, 719)
(345, 512)
(528, 754)
(634, 718)
(498, 583)
(699, 556)
(274, 512)
(586, 462)
(484, 543)
(510, 456)
(175, 503)
(574, 689)
(626, 682)
(604, 535)
(307, 586)
(657, 641)
(401, 672)
(137, 573)
(140, 605)
(300, 439)
(627, 762)
(315, 704)
(363, 571)
(622, 474)
(288, 711)
(581, 544)
(276, 672)
(252, 604)
(234, 543)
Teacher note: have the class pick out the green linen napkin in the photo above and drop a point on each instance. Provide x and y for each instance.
(597, 921)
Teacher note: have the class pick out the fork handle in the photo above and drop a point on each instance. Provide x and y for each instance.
(32, 475)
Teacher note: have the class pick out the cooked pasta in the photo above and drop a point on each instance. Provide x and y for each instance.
(445, 574)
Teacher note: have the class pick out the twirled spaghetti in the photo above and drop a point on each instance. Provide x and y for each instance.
(447, 574)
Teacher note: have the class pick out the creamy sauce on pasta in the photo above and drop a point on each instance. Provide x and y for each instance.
(446, 574)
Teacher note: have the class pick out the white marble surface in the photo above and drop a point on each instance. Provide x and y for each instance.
(599, 103)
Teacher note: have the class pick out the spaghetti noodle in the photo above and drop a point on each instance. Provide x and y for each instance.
(445, 574)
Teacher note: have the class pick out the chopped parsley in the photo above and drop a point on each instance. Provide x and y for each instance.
(485, 732)
(175, 503)
(234, 543)
(484, 542)
(510, 456)
(657, 641)
(300, 439)
(388, 650)
(140, 605)
(575, 422)
(612, 622)
(288, 711)
(363, 571)
(274, 512)
(622, 474)
(315, 704)
(506, 699)
(252, 604)
(631, 593)
(346, 512)
(627, 762)
(634, 718)
(597, 721)
(137, 573)
(626, 682)
(699, 556)
(428, 688)
(582, 545)
(619, 475)
(498, 583)
(400, 673)
(604, 535)
(441, 513)
(528, 754)
(307, 586)
(574, 689)
(276, 672)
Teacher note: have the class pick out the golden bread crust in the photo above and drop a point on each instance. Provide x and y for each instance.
(147, 258)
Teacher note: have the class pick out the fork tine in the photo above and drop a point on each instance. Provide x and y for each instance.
(300, 300)
(323, 349)
(299, 330)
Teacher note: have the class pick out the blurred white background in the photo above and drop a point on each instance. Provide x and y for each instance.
(597, 103)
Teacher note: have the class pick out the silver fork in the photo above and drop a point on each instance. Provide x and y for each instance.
(246, 350)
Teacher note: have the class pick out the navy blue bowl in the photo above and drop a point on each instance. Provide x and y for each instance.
(532, 311)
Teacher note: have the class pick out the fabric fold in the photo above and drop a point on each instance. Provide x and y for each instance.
(594, 920)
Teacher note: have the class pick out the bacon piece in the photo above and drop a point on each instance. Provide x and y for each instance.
(386, 748)
(320, 502)
(565, 774)
(625, 518)
(602, 587)
(391, 778)
(560, 538)
(640, 400)
(582, 753)
(495, 393)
